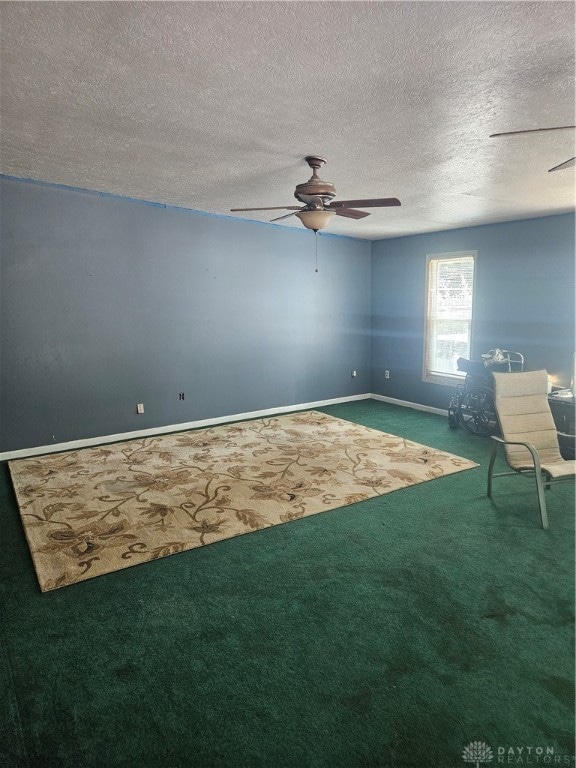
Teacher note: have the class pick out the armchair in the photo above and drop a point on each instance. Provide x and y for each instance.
(529, 436)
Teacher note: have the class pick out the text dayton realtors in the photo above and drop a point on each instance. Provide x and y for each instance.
(531, 756)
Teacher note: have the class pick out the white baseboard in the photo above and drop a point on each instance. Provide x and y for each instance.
(408, 404)
(89, 442)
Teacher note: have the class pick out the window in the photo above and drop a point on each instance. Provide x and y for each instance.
(448, 332)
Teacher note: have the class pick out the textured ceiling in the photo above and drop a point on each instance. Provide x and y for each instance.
(212, 105)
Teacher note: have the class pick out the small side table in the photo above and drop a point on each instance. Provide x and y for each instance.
(564, 414)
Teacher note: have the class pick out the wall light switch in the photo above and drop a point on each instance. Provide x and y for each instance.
(140, 408)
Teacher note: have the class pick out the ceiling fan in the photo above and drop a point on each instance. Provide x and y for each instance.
(562, 166)
(319, 206)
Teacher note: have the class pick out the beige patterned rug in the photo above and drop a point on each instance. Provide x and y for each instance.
(96, 510)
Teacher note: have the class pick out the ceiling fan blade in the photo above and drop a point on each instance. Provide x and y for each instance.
(381, 202)
(271, 208)
(531, 130)
(279, 218)
(566, 164)
(350, 213)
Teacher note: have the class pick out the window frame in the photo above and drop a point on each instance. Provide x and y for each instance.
(446, 379)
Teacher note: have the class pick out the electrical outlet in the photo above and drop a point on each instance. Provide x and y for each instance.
(140, 408)
(181, 395)
(353, 374)
(386, 374)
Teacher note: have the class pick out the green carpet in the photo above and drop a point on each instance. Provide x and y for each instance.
(390, 637)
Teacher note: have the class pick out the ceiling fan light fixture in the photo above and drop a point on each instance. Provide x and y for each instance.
(315, 219)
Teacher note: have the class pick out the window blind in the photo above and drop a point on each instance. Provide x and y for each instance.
(449, 314)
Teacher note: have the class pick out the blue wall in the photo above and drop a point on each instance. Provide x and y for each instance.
(106, 303)
(524, 300)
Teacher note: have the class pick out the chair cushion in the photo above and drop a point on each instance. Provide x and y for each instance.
(561, 469)
(524, 414)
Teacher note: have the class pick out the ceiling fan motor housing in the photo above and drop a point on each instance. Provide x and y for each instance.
(315, 187)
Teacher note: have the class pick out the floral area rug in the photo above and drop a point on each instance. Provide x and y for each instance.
(95, 510)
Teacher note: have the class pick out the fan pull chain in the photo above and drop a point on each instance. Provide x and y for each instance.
(316, 239)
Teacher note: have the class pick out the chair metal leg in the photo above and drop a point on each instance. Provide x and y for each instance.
(491, 469)
(542, 477)
(541, 500)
